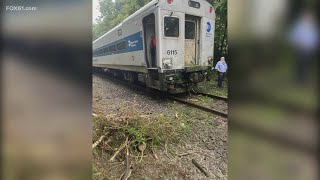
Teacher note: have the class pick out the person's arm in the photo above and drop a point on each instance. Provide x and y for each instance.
(215, 67)
(218, 67)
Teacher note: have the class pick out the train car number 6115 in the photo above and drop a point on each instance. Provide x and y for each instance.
(172, 52)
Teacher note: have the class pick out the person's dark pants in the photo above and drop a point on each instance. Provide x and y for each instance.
(304, 60)
(153, 57)
(220, 78)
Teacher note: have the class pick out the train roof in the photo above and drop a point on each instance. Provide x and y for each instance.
(145, 7)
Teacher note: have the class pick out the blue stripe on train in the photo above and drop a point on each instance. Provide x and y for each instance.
(132, 42)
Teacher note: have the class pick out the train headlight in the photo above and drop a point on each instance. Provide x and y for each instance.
(167, 63)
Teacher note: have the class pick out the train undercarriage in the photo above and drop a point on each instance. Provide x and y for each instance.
(172, 81)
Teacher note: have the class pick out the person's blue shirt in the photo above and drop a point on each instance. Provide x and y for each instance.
(221, 66)
(304, 35)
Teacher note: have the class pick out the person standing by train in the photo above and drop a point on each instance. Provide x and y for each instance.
(304, 37)
(221, 67)
(153, 50)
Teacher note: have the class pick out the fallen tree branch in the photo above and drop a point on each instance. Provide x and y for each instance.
(94, 145)
(127, 173)
(166, 149)
(141, 148)
(199, 167)
(154, 154)
(118, 151)
(185, 154)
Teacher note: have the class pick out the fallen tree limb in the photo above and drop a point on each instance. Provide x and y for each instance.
(154, 154)
(118, 151)
(94, 145)
(185, 154)
(166, 149)
(199, 167)
(127, 173)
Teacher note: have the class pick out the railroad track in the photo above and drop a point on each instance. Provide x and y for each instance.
(170, 96)
(211, 96)
(211, 110)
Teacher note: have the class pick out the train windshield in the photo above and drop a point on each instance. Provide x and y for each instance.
(171, 27)
(190, 30)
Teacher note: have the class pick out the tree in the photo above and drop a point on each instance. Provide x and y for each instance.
(221, 29)
(113, 13)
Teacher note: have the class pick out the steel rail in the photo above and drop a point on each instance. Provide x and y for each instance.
(213, 111)
(211, 96)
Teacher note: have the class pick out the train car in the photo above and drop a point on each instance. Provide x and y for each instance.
(179, 57)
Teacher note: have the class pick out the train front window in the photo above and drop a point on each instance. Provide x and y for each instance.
(189, 30)
(171, 27)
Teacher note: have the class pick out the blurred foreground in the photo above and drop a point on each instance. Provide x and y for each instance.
(273, 130)
(46, 91)
(272, 99)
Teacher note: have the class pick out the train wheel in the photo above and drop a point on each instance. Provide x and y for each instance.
(131, 77)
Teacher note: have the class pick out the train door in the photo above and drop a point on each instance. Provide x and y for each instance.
(149, 33)
(192, 40)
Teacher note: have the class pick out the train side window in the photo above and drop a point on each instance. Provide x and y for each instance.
(105, 50)
(171, 26)
(121, 45)
(100, 52)
(112, 48)
(190, 30)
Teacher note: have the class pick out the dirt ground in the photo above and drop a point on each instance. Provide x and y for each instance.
(206, 140)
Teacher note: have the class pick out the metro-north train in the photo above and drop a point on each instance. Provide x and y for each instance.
(179, 57)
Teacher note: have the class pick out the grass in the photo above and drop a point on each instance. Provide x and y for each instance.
(154, 132)
(157, 132)
(211, 86)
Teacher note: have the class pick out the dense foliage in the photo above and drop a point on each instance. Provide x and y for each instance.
(114, 11)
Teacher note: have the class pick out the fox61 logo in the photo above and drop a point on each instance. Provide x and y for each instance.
(14, 8)
(20, 8)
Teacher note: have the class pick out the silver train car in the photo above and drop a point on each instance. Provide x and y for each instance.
(181, 55)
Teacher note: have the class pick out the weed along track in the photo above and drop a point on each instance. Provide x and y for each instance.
(143, 134)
